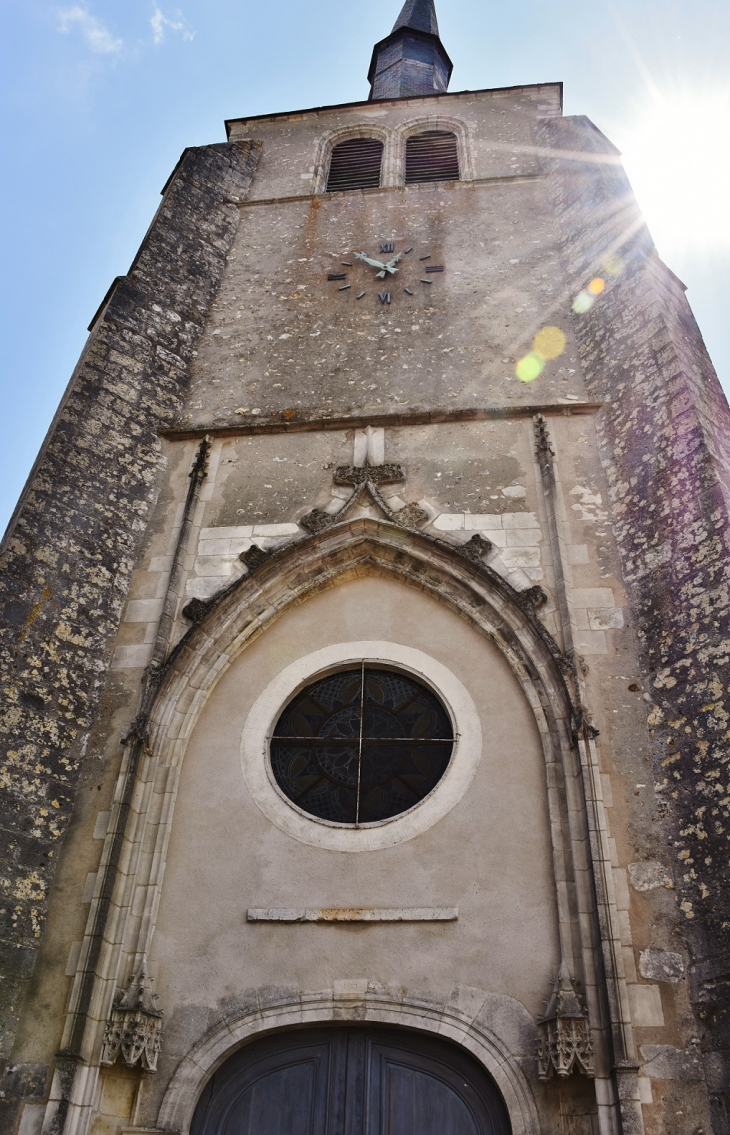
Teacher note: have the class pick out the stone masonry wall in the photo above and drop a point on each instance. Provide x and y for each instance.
(665, 434)
(67, 557)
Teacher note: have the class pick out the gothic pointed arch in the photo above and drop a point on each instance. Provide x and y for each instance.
(455, 576)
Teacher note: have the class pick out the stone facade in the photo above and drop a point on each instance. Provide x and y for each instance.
(255, 476)
(74, 539)
(665, 445)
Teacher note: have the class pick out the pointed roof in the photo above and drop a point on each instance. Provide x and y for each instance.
(419, 15)
(412, 60)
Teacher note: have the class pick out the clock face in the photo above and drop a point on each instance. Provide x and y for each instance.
(388, 273)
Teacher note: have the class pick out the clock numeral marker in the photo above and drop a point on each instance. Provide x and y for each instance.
(408, 291)
(425, 257)
(346, 263)
(407, 251)
(360, 296)
(434, 267)
(384, 297)
(337, 276)
(346, 287)
(387, 247)
(426, 281)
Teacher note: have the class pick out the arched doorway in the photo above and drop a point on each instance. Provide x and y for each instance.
(351, 1081)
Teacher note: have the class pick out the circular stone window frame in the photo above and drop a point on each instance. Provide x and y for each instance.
(294, 821)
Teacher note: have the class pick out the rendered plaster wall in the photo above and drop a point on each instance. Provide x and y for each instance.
(72, 544)
(490, 856)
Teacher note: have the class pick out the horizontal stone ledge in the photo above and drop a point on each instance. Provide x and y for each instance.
(356, 914)
(279, 424)
(379, 190)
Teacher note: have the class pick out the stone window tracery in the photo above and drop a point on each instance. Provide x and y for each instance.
(361, 745)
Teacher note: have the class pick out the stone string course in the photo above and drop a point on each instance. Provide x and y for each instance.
(68, 555)
(664, 434)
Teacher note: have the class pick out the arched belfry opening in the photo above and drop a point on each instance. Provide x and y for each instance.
(355, 163)
(432, 156)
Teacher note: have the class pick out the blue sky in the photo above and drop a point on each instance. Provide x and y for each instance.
(99, 98)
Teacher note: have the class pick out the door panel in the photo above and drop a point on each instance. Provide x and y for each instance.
(414, 1104)
(280, 1086)
(351, 1081)
(282, 1102)
(419, 1085)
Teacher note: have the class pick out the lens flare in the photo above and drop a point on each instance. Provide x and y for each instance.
(530, 367)
(549, 343)
(596, 286)
(583, 302)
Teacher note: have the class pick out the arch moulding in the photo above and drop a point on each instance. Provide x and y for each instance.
(457, 126)
(465, 1028)
(349, 550)
(328, 141)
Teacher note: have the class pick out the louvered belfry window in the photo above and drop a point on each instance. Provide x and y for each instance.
(432, 156)
(355, 164)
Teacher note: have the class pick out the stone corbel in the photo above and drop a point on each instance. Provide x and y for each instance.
(133, 1031)
(564, 1042)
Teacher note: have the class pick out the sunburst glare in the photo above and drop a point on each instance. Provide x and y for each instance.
(676, 151)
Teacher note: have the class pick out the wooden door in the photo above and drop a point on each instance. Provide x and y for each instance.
(351, 1081)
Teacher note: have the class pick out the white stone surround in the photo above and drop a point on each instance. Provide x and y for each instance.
(384, 833)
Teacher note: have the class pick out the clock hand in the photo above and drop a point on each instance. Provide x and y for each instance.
(389, 266)
(367, 259)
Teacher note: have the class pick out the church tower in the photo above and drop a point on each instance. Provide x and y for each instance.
(365, 650)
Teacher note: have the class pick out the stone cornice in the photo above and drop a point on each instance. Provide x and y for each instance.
(359, 421)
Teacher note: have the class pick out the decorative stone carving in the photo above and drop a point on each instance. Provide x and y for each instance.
(564, 1042)
(317, 520)
(196, 610)
(542, 438)
(134, 1028)
(254, 557)
(365, 480)
(533, 597)
(376, 474)
(476, 548)
(410, 516)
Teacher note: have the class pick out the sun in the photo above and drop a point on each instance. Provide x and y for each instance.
(676, 151)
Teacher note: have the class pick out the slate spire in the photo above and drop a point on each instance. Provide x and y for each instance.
(411, 60)
(419, 15)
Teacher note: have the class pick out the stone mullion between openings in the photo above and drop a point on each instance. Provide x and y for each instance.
(359, 750)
